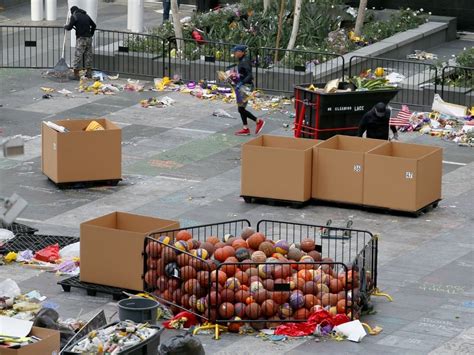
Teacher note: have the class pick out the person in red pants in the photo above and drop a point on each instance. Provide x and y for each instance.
(242, 88)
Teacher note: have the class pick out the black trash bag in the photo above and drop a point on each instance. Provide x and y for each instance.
(185, 344)
(48, 318)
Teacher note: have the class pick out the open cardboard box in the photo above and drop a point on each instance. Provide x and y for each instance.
(401, 176)
(338, 168)
(78, 155)
(112, 248)
(277, 168)
(48, 345)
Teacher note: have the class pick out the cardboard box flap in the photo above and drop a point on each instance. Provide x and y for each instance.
(129, 222)
(405, 150)
(81, 124)
(349, 143)
(281, 142)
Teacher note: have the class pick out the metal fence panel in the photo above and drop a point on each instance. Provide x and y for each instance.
(420, 79)
(31, 46)
(457, 85)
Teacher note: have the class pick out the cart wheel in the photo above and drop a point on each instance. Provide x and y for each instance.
(91, 292)
(66, 288)
(435, 205)
(247, 199)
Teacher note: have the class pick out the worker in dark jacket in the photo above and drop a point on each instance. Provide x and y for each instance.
(85, 28)
(243, 87)
(376, 123)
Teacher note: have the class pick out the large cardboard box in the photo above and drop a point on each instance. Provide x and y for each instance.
(401, 176)
(112, 248)
(338, 168)
(277, 168)
(48, 345)
(78, 155)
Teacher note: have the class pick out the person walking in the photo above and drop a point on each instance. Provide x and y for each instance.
(376, 123)
(243, 87)
(85, 28)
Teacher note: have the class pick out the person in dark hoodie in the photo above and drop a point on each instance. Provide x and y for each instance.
(244, 85)
(376, 123)
(85, 28)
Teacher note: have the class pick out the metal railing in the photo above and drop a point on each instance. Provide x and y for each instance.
(275, 70)
(34, 47)
(419, 82)
(457, 85)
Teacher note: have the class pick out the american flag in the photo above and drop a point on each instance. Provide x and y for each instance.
(403, 117)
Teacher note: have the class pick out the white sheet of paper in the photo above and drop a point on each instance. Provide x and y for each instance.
(354, 331)
(15, 327)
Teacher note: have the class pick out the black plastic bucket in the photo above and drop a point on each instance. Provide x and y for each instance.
(139, 310)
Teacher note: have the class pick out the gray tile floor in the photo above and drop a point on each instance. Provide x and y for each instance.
(183, 163)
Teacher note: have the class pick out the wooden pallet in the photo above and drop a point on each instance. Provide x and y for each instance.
(93, 289)
(374, 209)
(85, 184)
(274, 202)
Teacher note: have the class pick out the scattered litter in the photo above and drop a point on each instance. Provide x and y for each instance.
(157, 102)
(115, 338)
(441, 106)
(10, 257)
(9, 289)
(56, 127)
(49, 254)
(5, 235)
(47, 90)
(25, 256)
(47, 96)
(422, 55)
(354, 331)
(65, 92)
(35, 295)
(70, 251)
(133, 85)
(113, 77)
(222, 113)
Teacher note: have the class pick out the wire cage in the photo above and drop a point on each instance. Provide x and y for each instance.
(277, 272)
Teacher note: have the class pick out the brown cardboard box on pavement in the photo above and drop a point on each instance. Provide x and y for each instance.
(112, 247)
(277, 168)
(48, 345)
(338, 168)
(78, 155)
(401, 176)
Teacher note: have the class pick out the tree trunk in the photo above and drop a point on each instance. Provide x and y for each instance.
(280, 24)
(266, 5)
(296, 24)
(178, 30)
(360, 18)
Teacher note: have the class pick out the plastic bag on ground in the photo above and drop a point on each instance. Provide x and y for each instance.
(308, 327)
(182, 345)
(9, 289)
(181, 320)
(70, 251)
(5, 235)
(49, 254)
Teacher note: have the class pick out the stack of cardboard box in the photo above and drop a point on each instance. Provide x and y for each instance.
(368, 172)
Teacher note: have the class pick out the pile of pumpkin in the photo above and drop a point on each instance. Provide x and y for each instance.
(241, 278)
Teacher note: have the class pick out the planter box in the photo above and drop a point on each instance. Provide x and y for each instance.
(77, 155)
(112, 248)
(400, 176)
(277, 168)
(338, 168)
